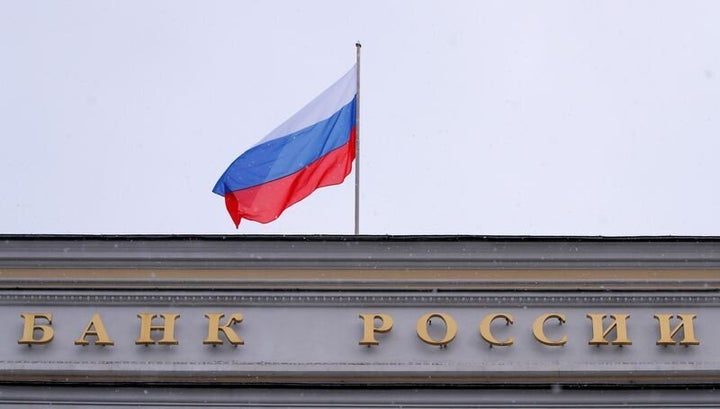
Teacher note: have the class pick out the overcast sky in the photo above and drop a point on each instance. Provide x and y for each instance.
(523, 118)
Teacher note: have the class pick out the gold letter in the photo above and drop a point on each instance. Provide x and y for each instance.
(686, 323)
(95, 328)
(619, 324)
(214, 328)
(486, 333)
(369, 328)
(146, 327)
(450, 328)
(30, 327)
(539, 330)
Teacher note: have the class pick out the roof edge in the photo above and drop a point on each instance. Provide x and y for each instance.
(350, 238)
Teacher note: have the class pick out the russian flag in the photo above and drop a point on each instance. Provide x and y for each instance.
(312, 149)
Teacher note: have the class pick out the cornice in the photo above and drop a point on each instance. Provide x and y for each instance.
(356, 252)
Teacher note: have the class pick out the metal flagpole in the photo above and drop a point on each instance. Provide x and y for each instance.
(357, 142)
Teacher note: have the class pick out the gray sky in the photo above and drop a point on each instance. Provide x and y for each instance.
(526, 117)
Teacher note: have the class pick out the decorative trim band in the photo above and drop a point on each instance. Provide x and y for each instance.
(317, 299)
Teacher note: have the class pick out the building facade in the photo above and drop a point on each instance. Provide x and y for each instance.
(359, 321)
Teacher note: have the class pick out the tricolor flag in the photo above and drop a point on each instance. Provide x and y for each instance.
(312, 149)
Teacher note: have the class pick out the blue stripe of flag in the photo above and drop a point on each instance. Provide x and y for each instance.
(284, 156)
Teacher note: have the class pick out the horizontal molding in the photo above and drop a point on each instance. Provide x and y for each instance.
(350, 252)
(362, 279)
(252, 397)
(359, 299)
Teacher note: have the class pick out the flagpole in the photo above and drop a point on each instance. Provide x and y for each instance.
(357, 142)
